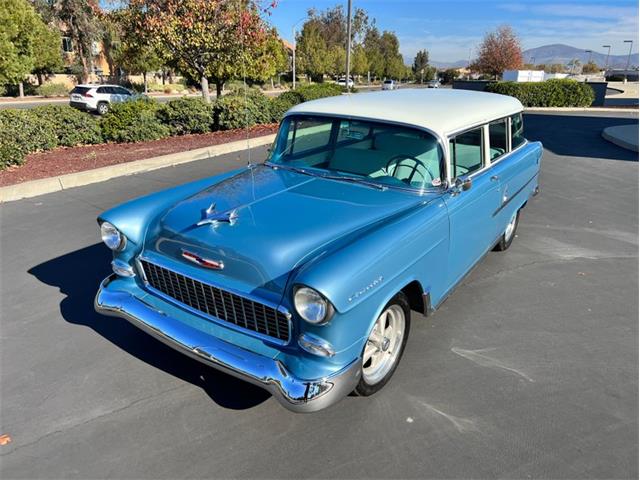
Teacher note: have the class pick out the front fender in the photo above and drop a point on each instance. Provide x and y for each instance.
(405, 247)
(133, 217)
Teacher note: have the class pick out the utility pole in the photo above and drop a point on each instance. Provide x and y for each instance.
(630, 42)
(295, 46)
(421, 76)
(348, 44)
(606, 62)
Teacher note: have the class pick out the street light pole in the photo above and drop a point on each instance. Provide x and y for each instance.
(630, 42)
(295, 46)
(348, 44)
(606, 62)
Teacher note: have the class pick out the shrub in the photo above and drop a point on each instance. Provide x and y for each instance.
(319, 90)
(23, 132)
(133, 121)
(70, 126)
(53, 90)
(166, 88)
(187, 115)
(284, 102)
(551, 93)
(237, 111)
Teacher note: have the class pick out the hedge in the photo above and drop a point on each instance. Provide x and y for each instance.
(50, 126)
(240, 110)
(53, 90)
(133, 121)
(550, 93)
(187, 115)
(70, 127)
(23, 132)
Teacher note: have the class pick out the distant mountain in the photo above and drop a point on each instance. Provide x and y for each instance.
(559, 53)
(458, 64)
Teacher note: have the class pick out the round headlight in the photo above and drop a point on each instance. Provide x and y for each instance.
(112, 237)
(311, 306)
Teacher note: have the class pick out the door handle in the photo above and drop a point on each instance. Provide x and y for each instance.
(495, 178)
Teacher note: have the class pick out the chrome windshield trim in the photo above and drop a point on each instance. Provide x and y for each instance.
(219, 321)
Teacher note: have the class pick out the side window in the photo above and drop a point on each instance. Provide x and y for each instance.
(104, 90)
(122, 91)
(497, 139)
(466, 152)
(307, 135)
(517, 131)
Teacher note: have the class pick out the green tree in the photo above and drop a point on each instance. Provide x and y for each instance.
(26, 43)
(449, 75)
(390, 49)
(206, 39)
(359, 62)
(420, 64)
(311, 51)
(82, 23)
(373, 51)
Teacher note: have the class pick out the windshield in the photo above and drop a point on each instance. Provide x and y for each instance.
(375, 153)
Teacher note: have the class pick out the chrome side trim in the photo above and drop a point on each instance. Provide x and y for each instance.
(295, 394)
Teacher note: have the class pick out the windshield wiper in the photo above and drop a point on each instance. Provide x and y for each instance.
(357, 180)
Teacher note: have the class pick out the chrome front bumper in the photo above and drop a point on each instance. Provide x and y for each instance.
(298, 395)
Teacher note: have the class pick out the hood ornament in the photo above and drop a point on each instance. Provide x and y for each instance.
(211, 217)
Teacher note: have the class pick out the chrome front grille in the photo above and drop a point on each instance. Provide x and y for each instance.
(216, 302)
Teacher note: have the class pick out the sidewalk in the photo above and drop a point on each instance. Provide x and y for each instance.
(62, 182)
(625, 136)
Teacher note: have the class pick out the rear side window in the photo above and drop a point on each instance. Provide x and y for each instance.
(80, 90)
(104, 90)
(466, 152)
(122, 91)
(517, 131)
(497, 139)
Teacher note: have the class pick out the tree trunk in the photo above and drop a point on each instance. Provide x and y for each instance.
(21, 89)
(219, 86)
(85, 66)
(40, 79)
(146, 83)
(204, 84)
(164, 76)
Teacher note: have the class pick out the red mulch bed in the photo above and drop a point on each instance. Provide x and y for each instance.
(86, 157)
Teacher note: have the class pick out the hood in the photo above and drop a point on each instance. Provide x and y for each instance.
(280, 219)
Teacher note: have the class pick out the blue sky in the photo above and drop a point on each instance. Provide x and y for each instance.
(450, 29)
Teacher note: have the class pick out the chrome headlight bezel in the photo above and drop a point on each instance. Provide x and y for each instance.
(113, 238)
(311, 305)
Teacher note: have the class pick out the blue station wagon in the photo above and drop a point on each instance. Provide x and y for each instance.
(299, 274)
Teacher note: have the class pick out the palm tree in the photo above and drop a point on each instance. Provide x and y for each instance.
(573, 65)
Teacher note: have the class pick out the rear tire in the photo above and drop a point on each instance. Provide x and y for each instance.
(384, 347)
(509, 234)
(103, 108)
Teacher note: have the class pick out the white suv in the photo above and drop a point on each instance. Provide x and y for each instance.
(98, 98)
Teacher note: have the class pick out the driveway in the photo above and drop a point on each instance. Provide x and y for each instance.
(530, 368)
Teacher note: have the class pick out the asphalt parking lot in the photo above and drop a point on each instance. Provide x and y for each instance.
(529, 370)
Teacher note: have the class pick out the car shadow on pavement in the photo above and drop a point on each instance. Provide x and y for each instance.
(78, 274)
(577, 135)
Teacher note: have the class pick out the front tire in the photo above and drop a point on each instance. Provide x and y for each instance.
(509, 233)
(384, 347)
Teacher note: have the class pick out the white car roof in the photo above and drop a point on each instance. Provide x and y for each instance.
(443, 111)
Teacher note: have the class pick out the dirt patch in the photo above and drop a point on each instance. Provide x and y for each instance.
(86, 157)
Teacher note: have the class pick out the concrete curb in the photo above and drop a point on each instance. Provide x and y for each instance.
(71, 180)
(625, 136)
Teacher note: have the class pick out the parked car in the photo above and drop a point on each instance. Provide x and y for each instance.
(433, 84)
(389, 85)
(300, 274)
(342, 81)
(98, 98)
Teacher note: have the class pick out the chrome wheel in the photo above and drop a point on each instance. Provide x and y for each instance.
(383, 345)
(511, 228)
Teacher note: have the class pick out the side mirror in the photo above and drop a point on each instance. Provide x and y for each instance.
(464, 185)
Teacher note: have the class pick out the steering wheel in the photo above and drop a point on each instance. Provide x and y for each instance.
(416, 163)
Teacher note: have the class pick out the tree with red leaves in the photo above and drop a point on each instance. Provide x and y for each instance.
(499, 51)
(208, 40)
